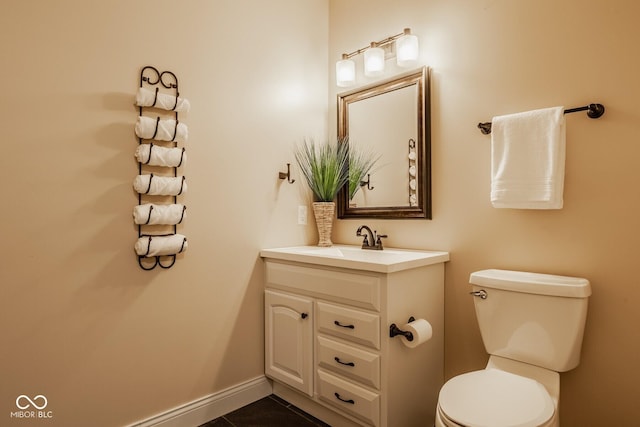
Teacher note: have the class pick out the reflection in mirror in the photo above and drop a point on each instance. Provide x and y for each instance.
(391, 119)
(387, 135)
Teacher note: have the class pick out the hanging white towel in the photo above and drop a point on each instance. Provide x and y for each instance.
(527, 159)
(151, 213)
(146, 97)
(160, 185)
(150, 246)
(154, 155)
(167, 130)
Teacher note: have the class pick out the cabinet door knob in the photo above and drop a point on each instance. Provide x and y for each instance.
(304, 315)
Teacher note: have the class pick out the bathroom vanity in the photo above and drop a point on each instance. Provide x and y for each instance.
(328, 349)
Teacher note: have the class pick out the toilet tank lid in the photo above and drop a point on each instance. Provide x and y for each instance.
(533, 283)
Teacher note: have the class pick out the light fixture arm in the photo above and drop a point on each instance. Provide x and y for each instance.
(380, 43)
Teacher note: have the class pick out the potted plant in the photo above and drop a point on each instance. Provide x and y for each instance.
(327, 168)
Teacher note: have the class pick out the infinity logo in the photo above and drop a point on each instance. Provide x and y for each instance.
(30, 402)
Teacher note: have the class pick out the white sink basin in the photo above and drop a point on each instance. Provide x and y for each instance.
(384, 261)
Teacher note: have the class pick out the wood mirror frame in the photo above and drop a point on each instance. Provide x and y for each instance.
(422, 207)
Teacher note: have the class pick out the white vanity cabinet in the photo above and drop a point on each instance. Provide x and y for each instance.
(327, 343)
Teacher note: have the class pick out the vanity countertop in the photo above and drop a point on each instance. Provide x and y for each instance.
(389, 260)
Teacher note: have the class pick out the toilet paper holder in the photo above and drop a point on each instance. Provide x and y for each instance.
(395, 331)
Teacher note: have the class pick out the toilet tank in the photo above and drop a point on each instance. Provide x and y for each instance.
(530, 317)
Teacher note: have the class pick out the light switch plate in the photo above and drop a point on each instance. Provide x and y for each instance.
(302, 215)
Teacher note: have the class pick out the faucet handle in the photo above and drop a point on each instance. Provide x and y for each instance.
(378, 241)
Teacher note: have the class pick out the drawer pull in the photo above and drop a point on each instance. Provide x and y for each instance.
(337, 359)
(335, 322)
(304, 315)
(344, 400)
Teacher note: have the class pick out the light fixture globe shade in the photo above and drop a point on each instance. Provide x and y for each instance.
(345, 73)
(374, 62)
(407, 50)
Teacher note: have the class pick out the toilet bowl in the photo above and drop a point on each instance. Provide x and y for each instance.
(495, 398)
(532, 327)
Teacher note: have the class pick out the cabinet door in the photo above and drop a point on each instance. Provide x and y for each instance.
(289, 340)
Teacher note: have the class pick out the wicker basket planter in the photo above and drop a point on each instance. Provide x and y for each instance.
(324, 212)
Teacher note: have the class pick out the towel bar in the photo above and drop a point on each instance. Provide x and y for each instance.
(594, 111)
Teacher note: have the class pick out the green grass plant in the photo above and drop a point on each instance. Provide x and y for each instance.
(328, 167)
(324, 167)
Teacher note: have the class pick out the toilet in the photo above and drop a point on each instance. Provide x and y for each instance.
(532, 326)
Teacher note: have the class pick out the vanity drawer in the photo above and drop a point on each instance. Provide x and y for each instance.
(354, 400)
(360, 290)
(353, 325)
(360, 365)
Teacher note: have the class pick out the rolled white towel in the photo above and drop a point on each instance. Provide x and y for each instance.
(167, 130)
(146, 98)
(154, 155)
(151, 213)
(412, 170)
(149, 246)
(160, 185)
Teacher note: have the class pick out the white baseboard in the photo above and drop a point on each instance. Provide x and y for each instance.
(207, 408)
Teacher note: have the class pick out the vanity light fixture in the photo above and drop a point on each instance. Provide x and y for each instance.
(374, 61)
(345, 72)
(407, 50)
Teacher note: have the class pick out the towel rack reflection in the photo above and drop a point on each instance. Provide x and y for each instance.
(594, 111)
(367, 183)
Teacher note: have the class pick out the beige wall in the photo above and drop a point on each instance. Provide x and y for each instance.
(108, 342)
(499, 57)
(81, 323)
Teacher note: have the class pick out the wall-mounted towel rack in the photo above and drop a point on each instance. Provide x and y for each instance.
(153, 247)
(594, 111)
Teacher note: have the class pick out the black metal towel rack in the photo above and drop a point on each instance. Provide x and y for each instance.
(594, 111)
(151, 77)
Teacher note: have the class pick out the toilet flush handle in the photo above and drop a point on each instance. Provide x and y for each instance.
(481, 293)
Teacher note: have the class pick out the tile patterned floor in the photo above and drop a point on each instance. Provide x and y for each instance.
(270, 411)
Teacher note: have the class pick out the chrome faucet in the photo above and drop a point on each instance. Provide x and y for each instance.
(371, 240)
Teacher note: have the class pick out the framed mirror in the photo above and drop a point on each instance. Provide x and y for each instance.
(391, 119)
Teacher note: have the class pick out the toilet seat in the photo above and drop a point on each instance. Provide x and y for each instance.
(495, 398)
